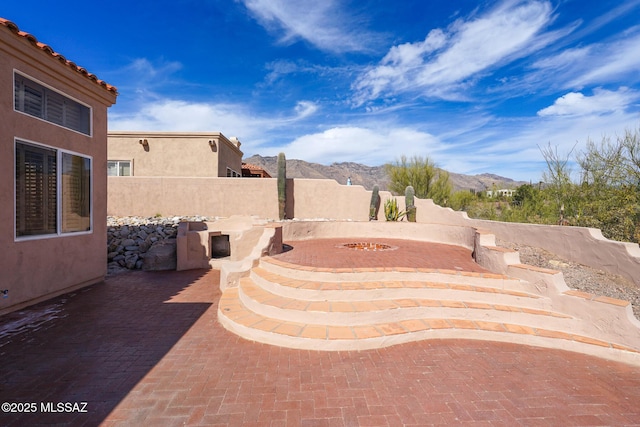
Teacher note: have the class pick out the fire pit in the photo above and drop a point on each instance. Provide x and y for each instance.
(368, 246)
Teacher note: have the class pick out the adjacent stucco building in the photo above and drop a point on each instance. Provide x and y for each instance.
(173, 154)
(53, 171)
(253, 171)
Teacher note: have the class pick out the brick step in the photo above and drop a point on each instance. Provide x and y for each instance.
(405, 285)
(236, 317)
(390, 274)
(353, 311)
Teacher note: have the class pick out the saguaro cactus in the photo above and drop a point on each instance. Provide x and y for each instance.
(282, 184)
(409, 194)
(373, 206)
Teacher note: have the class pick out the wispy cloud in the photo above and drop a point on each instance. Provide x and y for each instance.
(624, 8)
(284, 69)
(615, 60)
(324, 24)
(595, 64)
(448, 60)
(144, 75)
(602, 101)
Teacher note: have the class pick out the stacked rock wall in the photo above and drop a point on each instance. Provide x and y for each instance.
(130, 240)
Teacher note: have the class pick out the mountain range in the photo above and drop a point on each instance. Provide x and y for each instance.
(368, 176)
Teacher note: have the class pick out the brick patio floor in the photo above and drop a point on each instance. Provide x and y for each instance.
(332, 254)
(147, 349)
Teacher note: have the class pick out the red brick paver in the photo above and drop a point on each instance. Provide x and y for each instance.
(146, 349)
(330, 253)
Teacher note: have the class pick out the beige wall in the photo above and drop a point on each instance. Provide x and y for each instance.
(326, 198)
(182, 154)
(150, 196)
(579, 244)
(230, 156)
(32, 270)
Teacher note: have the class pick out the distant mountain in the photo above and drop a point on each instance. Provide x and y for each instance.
(368, 176)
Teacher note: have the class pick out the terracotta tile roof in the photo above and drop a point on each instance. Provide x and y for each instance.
(255, 169)
(46, 48)
(251, 166)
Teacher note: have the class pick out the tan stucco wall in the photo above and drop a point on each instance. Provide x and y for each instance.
(436, 233)
(32, 270)
(149, 196)
(579, 244)
(183, 154)
(230, 156)
(324, 198)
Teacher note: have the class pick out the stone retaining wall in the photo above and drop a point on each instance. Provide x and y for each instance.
(131, 240)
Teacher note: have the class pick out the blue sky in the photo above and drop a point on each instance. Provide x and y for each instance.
(476, 86)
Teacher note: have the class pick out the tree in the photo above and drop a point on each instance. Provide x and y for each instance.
(603, 164)
(428, 181)
(461, 200)
(631, 150)
(559, 186)
(606, 196)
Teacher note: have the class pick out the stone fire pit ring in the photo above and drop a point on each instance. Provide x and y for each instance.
(367, 246)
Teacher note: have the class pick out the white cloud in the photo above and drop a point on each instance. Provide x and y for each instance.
(445, 60)
(230, 119)
(366, 145)
(321, 23)
(602, 101)
(305, 109)
(178, 115)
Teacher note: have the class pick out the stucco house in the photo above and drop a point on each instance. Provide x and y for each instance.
(53, 171)
(173, 154)
(250, 170)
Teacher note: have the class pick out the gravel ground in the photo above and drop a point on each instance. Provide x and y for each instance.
(580, 277)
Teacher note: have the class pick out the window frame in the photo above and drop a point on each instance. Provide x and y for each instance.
(59, 192)
(117, 162)
(44, 107)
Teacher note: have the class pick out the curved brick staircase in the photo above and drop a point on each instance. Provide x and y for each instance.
(363, 308)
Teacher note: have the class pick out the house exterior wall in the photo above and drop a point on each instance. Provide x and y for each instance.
(176, 154)
(40, 267)
(229, 156)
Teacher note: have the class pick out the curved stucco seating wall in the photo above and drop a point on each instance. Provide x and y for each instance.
(524, 304)
(602, 318)
(436, 233)
(579, 244)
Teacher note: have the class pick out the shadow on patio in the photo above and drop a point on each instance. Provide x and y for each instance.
(94, 345)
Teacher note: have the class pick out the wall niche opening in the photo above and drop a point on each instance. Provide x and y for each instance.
(220, 246)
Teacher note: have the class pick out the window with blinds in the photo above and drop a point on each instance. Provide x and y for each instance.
(36, 187)
(53, 191)
(39, 101)
(76, 193)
